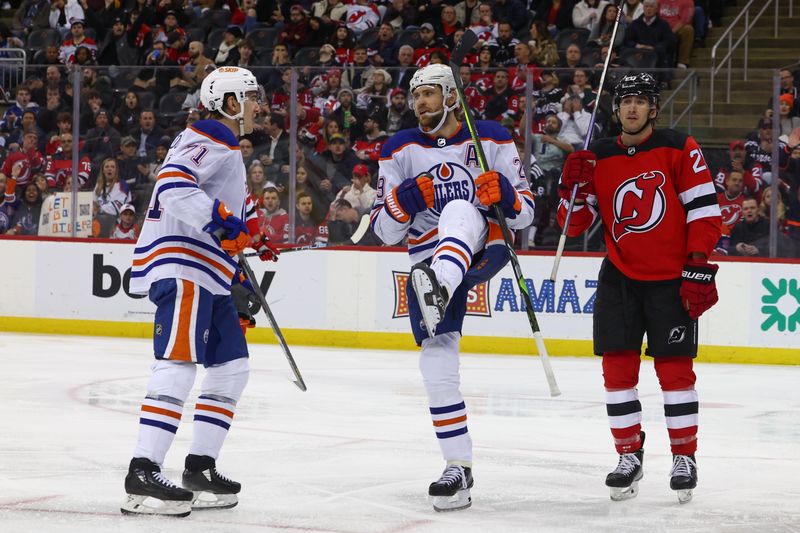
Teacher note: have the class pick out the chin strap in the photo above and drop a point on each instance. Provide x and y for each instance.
(447, 110)
(239, 117)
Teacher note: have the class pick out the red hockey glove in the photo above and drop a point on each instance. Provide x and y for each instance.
(265, 250)
(578, 170)
(230, 230)
(494, 188)
(698, 288)
(410, 197)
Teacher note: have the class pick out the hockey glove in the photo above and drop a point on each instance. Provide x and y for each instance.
(241, 290)
(698, 288)
(264, 249)
(494, 188)
(230, 230)
(409, 198)
(578, 170)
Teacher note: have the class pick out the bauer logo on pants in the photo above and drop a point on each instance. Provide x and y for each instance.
(477, 299)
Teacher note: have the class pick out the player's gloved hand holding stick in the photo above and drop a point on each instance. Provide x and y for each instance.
(494, 188)
(698, 288)
(231, 230)
(264, 248)
(578, 172)
(409, 198)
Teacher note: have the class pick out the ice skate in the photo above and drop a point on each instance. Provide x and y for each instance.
(211, 489)
(451, 491)
(683, 476)
(431, 296)
(624, 480)
(149, 492)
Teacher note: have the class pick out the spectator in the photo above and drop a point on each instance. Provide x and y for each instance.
(385, 48)
(330, 127)
(368, 147)
(126, 228)
(338, 163)
(228, 53)
(398, 116)
(63, 125)
(467, 13)
(730, 204)
(25, 220)
(503, 46)
(27, 123)
(21, 165)
(632, 10)
(789, 121)
(557, 14)
(330, 12)
(91, 103)
(574, 122)
(375, 94)
(77, 39)
(247, 150)
(62, 13)
(248, 60)
(513, 11)
(276, 153)
(550, 149)
(276, 219)
(127, 116)
(30, 16)
(401, 14)
(348, 116)
(429, 42)
(343, 42)
(280, 59)
(147, 134)
(359, 194)
(295, 33)
(194, 71)
(169, 25)
(486, 27)
(257, 181)
(519, 71)
(601, 32)
(483, 71)
(751, 236)
(306, 231)
(765, 207)
(586, 13)
(7, 205)
(448, 24)
(160, 154)
(679, 14)
(357, 71)
(59, 167)
(753, 182)
(500, 98)
(405, 70)
(102, 141)
(320, 191)
(110, 194)
(94, 81)
(156, 75)
(543, 48)
(582, 88)
(650, 32)
(119, 45)
(548, 96)
(133, 169)
(476, 97)
(572, 57)
(41, 183)
(14, 112)
(362, 15)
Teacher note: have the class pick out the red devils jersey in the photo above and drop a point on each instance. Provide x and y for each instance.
(657, 203)
(731, 209)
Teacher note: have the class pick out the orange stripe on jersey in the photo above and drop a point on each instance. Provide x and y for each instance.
(215, 409)
(529, 194)
(495, 233)
(209, 137)
(181, 351)
(429, 147)
(424, 237)
(160, 411)
(456, 250)
(176, 174)
(179, 250)
(449, 421)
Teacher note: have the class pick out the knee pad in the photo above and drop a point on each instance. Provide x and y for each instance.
(621, 369)
(227, 380)
(438, 363)
(675, 373)
(173, 379)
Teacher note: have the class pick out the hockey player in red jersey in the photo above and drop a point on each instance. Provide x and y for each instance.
(655, 196)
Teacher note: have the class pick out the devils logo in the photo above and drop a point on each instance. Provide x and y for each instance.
(639, 204)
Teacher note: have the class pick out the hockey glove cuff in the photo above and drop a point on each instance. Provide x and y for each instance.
(698, 288)
(230, 230)
(265, 250)
(240, 279)
(578, 170)
(409, 198)
(494, 188)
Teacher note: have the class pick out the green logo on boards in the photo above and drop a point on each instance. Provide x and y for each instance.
(781, 304)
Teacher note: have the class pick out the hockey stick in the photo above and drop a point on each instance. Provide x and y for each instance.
(466, 44)
(298, 379)
(358, 234)
(562, 240)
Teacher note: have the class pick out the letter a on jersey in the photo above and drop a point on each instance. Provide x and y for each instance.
(639, 204)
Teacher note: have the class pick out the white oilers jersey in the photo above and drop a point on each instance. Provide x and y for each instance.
(453, 163)
(203, 164)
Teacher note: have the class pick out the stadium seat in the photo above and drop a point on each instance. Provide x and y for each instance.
(147, 99)
(196, 33)
(570, 36)
(306, 56)
(640, 58)
(218, 18)
(170, 104)
(214, 39)
(409, 36)
(263, 37)
(591, 56)
(368, 37)
(39, 39)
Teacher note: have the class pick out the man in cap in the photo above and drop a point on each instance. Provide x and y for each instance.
(102, 141)
(66, 53)
(368, 147)
(339, 163)
(359, 193)
(118, 47)
(347, 115)
(398, 116)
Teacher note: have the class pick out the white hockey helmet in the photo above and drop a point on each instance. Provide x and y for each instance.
(227, 80)
(441, 76)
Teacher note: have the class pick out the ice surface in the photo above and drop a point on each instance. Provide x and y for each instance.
(356, 452)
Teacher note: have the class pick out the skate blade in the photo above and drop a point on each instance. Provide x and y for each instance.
(136, 504)
(460, 500)
(430, 314)
(619, 494)
(204, 501)
(684, 496)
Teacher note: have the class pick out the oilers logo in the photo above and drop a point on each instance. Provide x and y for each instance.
(451, 181)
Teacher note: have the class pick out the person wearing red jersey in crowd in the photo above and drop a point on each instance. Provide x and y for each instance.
(66, 53)
(295, 32)
(730, 201)
(368, 147)
(752, 175)
(476, 99)
(429, 43)
(654, 193)
(60, 165)
(502, 101)
(126, 228)
(276, 220)
(28, 161)
(306, 230)
(362, 15)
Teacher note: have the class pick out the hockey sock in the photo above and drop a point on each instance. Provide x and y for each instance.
(221, 389)
(451, 260)
(680, 402)
(462, 230)
(439, 367)
(621, 375)
(161, 411)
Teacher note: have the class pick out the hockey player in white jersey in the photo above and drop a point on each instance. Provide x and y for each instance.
(185, 261)
(430, 187)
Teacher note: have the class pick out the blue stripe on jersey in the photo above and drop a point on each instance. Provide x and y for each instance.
(447, 409)
(461, 244)
(159, 424)
(449, 434)
(184, 262)
(217, 130)
(423, 247)
(209, 420)
(487, 129)
(445, 257)
(415, 233)
(177, 238)
(179, 167)
(173, 185)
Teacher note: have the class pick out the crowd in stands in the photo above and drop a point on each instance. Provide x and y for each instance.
(141, 63)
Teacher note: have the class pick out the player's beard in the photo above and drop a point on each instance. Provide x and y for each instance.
(429, 120)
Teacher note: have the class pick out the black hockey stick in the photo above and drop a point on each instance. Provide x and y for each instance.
(562, 240)
(466, 44)
(248, 273)
(358, 234)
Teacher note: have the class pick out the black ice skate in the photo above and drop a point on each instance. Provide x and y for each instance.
(451, 491)
(211, 489)
(149, 492)
(624, 480)
(431, 296)
(683, 476)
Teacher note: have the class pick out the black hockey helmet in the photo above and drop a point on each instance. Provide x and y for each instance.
(642, 84)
